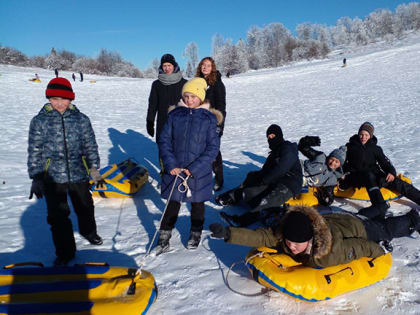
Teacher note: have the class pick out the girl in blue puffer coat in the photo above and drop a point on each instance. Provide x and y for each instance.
(188, 145)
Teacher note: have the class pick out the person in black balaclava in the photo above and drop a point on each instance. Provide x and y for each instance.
(279, 179)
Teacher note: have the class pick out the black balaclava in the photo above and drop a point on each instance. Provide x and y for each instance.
(275, 129)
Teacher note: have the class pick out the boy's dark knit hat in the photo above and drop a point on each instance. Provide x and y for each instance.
(297, 227)
(367, 126)
(168, 58)
(275, 129)
(60, 87)
(339, 154)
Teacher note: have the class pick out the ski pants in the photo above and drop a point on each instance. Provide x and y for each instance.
(58, 214)
(218, 169)
(172, 211)
(387, 229)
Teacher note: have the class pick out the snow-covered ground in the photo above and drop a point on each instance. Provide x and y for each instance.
(310, 98)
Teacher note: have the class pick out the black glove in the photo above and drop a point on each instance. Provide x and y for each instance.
(150, 128)
(325, 195)
(37, 187)
(310, 141)
(219, 231)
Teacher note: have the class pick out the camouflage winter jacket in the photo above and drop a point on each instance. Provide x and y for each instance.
(62, 147)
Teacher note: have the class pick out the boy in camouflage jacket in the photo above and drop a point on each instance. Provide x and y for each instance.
(62, 151)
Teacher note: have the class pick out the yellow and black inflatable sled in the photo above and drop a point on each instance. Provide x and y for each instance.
(307, 197)
(281, 273)
(361, 193)
(122, 180)
(80, 289)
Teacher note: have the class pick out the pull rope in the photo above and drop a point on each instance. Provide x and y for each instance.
(184, 183)
(263, 290)
(183, 186)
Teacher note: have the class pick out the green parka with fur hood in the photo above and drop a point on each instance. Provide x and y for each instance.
(338, 238)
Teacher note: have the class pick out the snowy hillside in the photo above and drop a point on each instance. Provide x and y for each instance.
(317, 98)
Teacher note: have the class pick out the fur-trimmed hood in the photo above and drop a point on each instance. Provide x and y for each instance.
(322, 239)
(205, 105)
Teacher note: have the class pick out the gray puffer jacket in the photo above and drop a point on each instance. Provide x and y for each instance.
(62, 147)
(317, 173)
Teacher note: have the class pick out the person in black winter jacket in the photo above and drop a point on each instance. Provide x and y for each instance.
(367, 166)
(279, 180)
(166, 91)
(216, 95)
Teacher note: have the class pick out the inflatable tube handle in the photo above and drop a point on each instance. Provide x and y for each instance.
(30, 263)
(94, 264)
(328, 277)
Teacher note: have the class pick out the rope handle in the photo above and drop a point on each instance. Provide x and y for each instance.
(263, 290)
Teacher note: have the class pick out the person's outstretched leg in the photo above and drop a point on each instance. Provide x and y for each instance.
(404, 188)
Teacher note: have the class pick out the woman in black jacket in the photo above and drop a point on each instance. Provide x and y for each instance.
(216, 95)
(166, 91)
(367, 166)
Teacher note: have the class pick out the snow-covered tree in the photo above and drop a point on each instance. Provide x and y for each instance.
(54, 61)
(11, 56)
(253, 42)
(191, 54)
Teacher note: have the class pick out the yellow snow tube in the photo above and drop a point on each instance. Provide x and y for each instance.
(35, 80)
(361, 193)
(281, 273)
(80, 289)
(122, 180)
(305, 198)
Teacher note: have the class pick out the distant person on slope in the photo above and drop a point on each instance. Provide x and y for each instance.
(73, 77)
(367, 166)
(188, 145)
(81, 77)
(344, 62)
(279, 179)
(62, 152)
(216, 95)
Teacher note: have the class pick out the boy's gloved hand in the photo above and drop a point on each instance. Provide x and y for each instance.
(311, 141)
(97, 178)
(37, 187)
(219, 231)
(150, 126)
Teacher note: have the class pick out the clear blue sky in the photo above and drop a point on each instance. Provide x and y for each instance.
(142, 30)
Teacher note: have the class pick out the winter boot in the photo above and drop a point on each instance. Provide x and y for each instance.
(227, 198)
(194, 240)
(231, 220)
(415, 220)
(378, 207)
(94, 238)
(163, 242)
